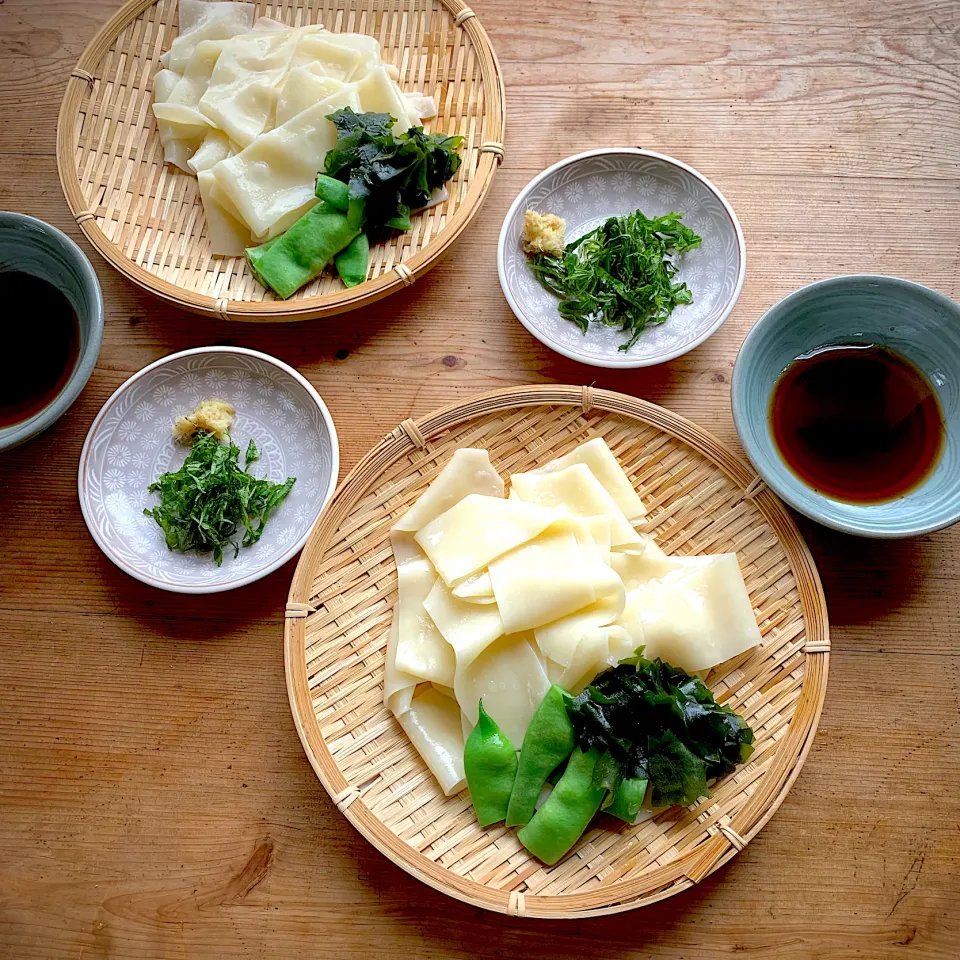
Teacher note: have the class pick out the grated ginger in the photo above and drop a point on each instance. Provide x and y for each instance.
(215, 416)
(544, 233)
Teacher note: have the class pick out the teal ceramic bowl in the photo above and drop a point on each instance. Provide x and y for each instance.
(918, 323)
(32, 246)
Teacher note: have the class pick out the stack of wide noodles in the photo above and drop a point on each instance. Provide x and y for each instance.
(498, 597)
(242, 105)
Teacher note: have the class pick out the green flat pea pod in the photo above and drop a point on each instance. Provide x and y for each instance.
(628, 799)
(334, 191)
(299, 255)
(401, 221)
(490, 765)
(567, 812)
(256, 254)
(353, 261)
(548, 742)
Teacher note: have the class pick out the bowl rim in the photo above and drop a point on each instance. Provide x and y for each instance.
(18, 433)
(642, 361)
(777, 480)
(289, 553)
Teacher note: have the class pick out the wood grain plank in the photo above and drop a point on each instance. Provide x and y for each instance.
(155, 800)
(237, 844)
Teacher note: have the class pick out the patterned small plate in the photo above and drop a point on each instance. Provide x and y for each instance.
(585, 190)
(130, 444)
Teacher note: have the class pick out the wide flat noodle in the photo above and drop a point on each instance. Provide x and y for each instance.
(423, 106)
(467, 471)
(344, 56)
(596, 455)
(200, 21)
(268, 25)
(242, 95)
(637, 570)
(164, 83)
(479, 529)
(228, 236)
(510, 678)
(559, 639)
(468, 627)
(597, 650)
(216, 146)
(599, 530)
(694, 618)
(432, 723)
(398, 686)
(379, 93)
(421, 649)
(476, 589)
(193, 84)
(271, 182)
(192, 14)
(180, 133)
(546, 578)
(576, 492)
(302, 88)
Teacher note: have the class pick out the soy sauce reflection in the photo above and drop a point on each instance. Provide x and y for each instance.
(857, 422)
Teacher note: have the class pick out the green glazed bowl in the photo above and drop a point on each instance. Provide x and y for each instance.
(32, 246)
(920, 324)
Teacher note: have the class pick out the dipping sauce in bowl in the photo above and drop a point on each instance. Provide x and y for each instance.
(43, 346)
(857, 422)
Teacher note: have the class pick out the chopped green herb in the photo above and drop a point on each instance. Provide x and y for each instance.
(387, 175)
(621, 274)
(205, 503)
(653, 721)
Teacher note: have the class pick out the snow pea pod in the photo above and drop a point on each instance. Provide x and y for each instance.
(490, 765)
(628, 799)
(294, 258)
(548, 742)
(353, 261)
(335, 192)
(567, 812)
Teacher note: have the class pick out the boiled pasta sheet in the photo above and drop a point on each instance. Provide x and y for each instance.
(596, 455)
(694, 617)
(247, 101)
(511, 679)
(467, 471)
(575, 491)
(433, 725)
(398, 686)
(477, 530)
(549, 577)
(421, 650)
(502, 595)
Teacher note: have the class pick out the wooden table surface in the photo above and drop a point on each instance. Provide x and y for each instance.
(154, 798)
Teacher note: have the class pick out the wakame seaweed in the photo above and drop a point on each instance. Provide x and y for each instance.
(654, 721)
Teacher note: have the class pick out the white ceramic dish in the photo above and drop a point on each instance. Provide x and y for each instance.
(585, 190)
(130, 444)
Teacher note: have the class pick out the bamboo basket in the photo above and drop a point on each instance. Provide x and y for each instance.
(700, 498)
(145, 217)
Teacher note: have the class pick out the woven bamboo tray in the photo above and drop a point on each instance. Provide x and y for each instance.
(145, 217)
(701, 499)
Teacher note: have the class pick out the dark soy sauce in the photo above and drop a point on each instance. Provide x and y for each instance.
(857, 422)
(42, 343)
